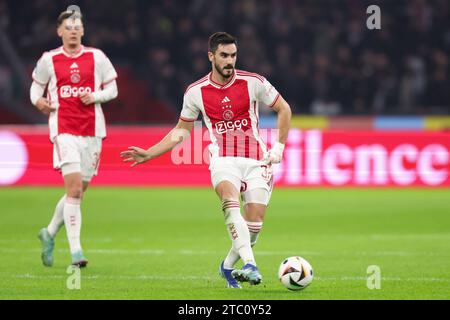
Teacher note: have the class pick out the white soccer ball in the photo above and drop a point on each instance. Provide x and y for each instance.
(295, 273)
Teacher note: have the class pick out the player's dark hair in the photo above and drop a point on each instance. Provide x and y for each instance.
(66, 15)
(220, 38)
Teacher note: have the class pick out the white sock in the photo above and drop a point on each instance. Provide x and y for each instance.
(58, 218)
(254, 228)
(238, 231)
(231, 259)
(72, 220)
(233, 256)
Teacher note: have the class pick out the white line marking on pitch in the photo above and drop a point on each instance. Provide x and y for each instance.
(138, 277)
(260, 253)
(413, 237)
(187, 278)
(28, 240)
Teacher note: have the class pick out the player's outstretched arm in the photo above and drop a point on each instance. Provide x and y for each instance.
(138, 155)
(284, 113)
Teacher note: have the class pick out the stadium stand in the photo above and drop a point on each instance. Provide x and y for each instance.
(332, 67)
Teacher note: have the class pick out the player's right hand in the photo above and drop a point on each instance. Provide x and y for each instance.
(44, 106)
(136, 155)
(275, 154)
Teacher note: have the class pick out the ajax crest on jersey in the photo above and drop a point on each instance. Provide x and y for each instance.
(295, 273)
(228, 115)
(75, 77)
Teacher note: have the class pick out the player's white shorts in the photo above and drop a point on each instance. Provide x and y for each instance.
(247, 175)
(81, 154)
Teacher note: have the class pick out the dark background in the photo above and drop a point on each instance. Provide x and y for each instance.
(318, 54)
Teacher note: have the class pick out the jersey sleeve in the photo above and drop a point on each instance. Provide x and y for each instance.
(266, 93)
(41, 73)
(190, 110)
(107, 71)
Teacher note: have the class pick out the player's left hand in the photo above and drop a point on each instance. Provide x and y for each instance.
(275, 154)
(87, 98)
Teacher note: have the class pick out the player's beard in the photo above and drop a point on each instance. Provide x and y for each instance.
(224, 75)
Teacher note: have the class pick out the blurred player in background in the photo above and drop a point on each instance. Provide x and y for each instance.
(77, 79)
(240, 163)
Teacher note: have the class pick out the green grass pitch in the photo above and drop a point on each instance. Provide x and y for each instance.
(168, 243)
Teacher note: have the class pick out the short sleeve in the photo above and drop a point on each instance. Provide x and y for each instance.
(107, 71)
(266, 93)
(190, 111)
(41, 73)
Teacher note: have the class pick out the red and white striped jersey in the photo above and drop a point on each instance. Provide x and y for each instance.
(230, 112)
(68, 76)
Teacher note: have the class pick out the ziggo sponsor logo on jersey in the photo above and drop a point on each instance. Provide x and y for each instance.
(224, 126)
(68, 91)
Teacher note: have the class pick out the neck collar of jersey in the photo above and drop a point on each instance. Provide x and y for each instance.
(76, 54)
(222, 86)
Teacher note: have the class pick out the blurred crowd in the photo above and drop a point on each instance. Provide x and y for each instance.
(318, 53)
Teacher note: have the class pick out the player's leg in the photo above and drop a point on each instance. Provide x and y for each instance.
(238, 231)
(64, 152)
(58, 218)
(236, 225)
(256, 197)
(72, 211)
(90, 149)
(254, 214)
(255, 206)
(47, 235)
(85, 186)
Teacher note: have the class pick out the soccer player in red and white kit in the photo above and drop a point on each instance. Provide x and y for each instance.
(78, 79)
(240, 164)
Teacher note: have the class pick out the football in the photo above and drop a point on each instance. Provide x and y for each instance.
(295, 273)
